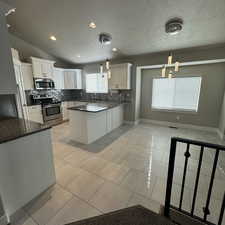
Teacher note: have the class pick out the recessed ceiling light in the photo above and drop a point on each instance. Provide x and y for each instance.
(114, 49)
(53, 38)
(174, 26)
(78, 56)
(92, 25)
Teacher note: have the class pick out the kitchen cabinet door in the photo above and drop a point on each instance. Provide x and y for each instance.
(73, 79)
(35, 113)
(78, 79)
(42, 68)
(47, 69)
(68, 80)
(37, 69)
(120, 76)
(117, 116)
(58, 78)
(109, 121)
(27, 75)
(65, 111)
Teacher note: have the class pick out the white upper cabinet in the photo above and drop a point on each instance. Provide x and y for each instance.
(120, 76)
(42, 68)
(58, 78)
(27, 75)
(72, 79)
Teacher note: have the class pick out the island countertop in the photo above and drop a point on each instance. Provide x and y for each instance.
(95, 107)
(13, 128)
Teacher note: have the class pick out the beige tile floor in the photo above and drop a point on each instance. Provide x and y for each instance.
(129, 170)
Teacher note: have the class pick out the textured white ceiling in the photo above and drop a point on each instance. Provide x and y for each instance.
(137, 26)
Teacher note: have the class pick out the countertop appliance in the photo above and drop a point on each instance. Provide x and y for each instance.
(44, 84)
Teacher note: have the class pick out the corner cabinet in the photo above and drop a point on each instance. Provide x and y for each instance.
(42, 68)
(72, 79)
(120, 76)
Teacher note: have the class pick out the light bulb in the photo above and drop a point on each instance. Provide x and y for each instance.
(164, 71)
(101, 69)
(170, 75)
(107, 64)
(170, 58)
(109, 74)
(177, 64)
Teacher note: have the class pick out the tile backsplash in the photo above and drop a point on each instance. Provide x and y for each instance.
(73, 95)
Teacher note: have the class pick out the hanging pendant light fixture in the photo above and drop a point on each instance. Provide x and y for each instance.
(105, 39)
(170, 64)
(107, 64)
(164, 71)
(109, 74)
(170, 59)
(101, 69)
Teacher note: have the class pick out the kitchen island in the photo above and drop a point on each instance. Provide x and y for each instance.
(26, 162)
(91, 121)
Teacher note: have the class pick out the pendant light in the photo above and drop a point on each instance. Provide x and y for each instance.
(177, 64)
(107, 64)
(101, 69)
(164, 71)
(170, 64)
(170, 59)
(109, 74)
(170, 75)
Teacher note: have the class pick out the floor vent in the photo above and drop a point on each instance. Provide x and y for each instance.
(173, 127)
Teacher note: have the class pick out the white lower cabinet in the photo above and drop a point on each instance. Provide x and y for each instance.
(34, 113)
(26, 170)
(87, 127)
(109, 121)
(65, 111)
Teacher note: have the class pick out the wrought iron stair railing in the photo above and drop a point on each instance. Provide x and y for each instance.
(168, 206)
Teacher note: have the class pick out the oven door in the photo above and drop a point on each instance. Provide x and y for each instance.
(52, 112)
(44, 84)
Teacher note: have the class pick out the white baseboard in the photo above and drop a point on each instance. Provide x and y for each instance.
(180, 125)
(220, 134)
(136, 122)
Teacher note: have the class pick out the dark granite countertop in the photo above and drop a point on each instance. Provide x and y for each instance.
(13, 128)
(95, 107)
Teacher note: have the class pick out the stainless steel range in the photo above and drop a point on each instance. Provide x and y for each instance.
(52, 113)
(51, 108)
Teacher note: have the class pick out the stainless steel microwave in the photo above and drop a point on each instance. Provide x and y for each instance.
(43, 84)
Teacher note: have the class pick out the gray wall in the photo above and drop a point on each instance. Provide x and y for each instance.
(211, 96)
(184, 55)
(7, 76)
(1, 208)
(26, 50)
(222, 118)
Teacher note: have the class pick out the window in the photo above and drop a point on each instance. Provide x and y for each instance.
(96, 83)
(176, 93)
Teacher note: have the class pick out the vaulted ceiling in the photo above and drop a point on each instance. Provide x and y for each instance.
(137, 26)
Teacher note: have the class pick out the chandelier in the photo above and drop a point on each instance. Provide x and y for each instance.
(170, 69)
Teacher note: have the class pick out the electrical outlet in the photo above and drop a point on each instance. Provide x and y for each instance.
(177, 117)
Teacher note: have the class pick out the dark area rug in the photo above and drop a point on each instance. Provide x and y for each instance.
(136, 215)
